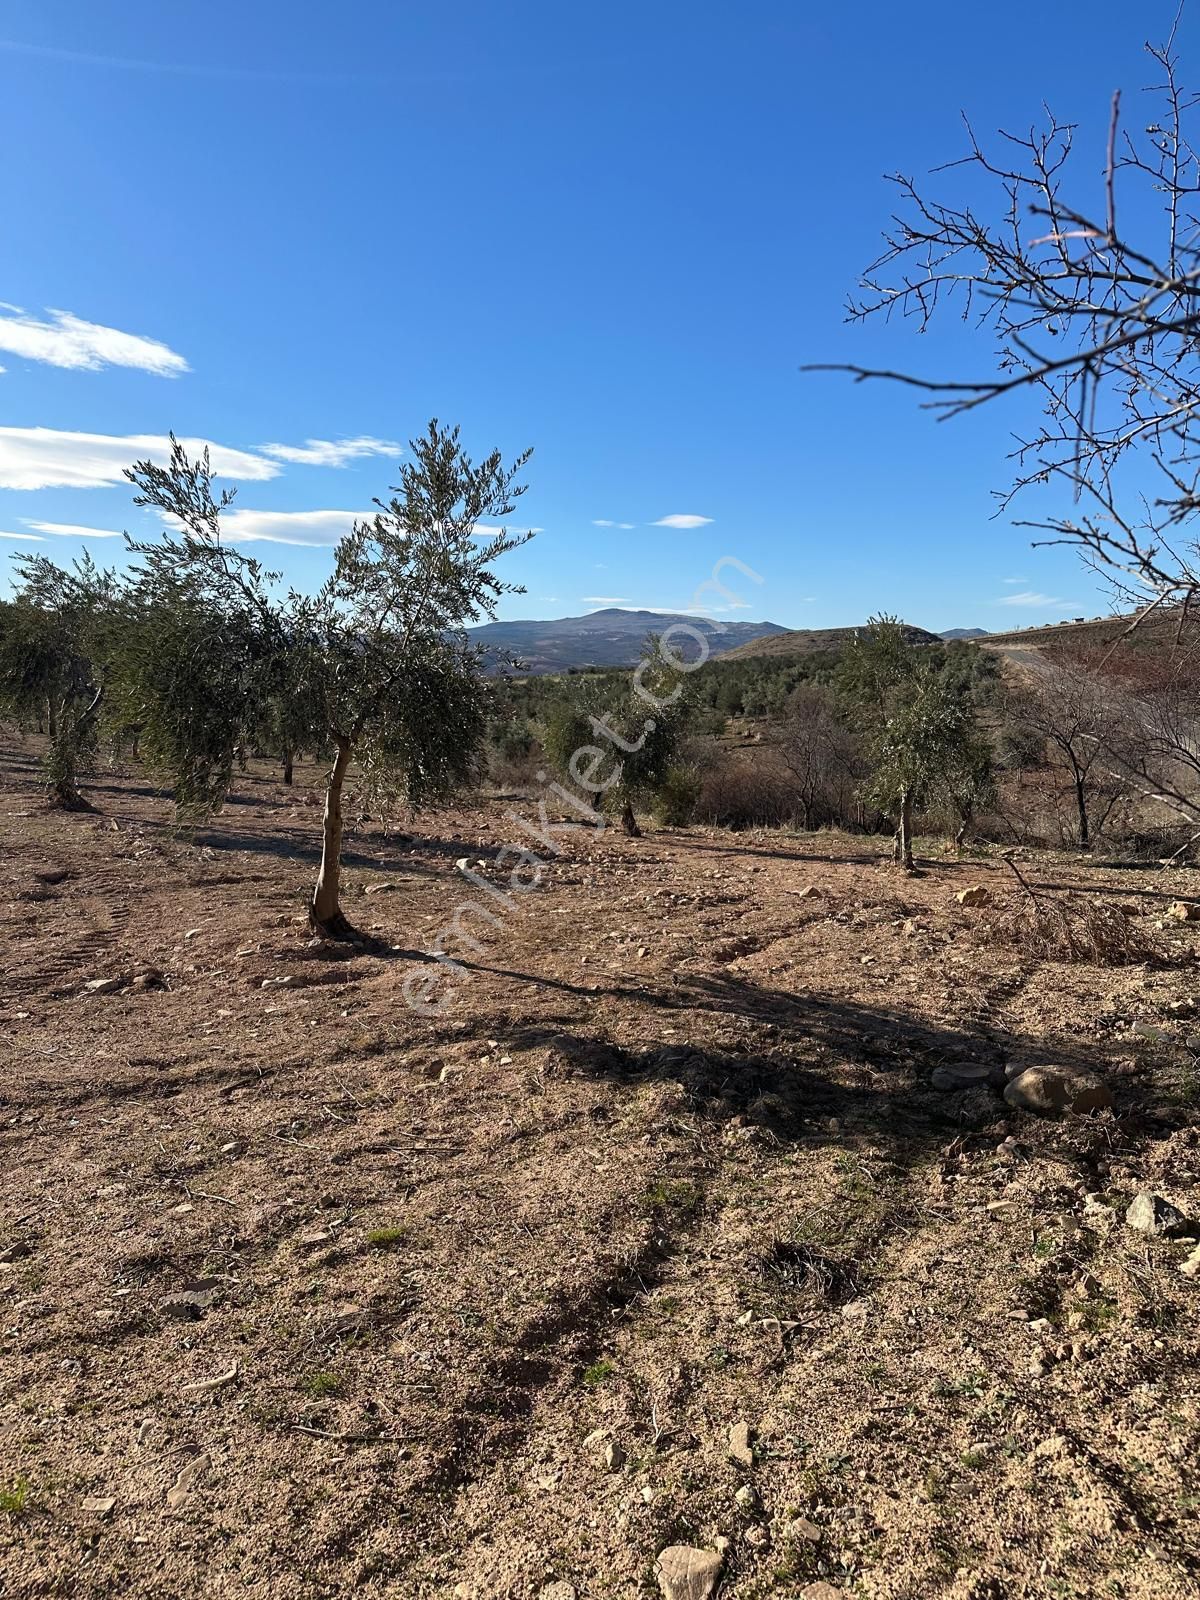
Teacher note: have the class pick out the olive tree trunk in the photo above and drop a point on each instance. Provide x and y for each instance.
(71, 736)
(287, 767)
(902, 851)
(629, 821)
(325, 912)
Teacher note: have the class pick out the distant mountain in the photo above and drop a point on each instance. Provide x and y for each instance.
(609, 638)
(810, 641)
(964, 633)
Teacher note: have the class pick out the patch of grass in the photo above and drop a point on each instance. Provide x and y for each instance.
(387, 1238)
(15, 1499)
(678, 1197)
(974, 1459)
(598, 1373)
(969, 1386)
(320, 1385)
(1099, 1315)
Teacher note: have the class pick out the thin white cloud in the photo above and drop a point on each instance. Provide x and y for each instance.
(46, 458)
(32, 538)
(194, 69)
(1030, 598)
(605, 522)
(485, 530)
(1016, 580)
(321, 529)
(68, 341)
(71, 530)
(685, 611)
(331, 452)
(681, 519)
(605, 600)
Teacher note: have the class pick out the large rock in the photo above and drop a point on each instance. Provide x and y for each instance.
(1191, 1267)
(1053, 1090)
(1150, 1213)
(685, 1573)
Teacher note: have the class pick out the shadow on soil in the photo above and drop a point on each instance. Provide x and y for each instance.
(817, 1068)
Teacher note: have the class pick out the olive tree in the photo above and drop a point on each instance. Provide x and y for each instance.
(920, 724)
(621, 739)
(206, 629)
(56, 642)
(378, 653)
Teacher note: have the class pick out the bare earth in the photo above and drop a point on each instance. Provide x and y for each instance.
(470, 1304)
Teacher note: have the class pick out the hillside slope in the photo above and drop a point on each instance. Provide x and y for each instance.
(612, 637)
(810, 641)
(1161, 628)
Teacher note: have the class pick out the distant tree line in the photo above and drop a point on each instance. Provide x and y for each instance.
(194, 658)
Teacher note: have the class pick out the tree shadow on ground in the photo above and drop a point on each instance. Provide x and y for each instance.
(406, 855)
(875, 852)
(815, 1067)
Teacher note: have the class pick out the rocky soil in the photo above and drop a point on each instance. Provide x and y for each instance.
(705, 1243)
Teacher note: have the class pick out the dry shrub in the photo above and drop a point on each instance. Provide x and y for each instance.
(801, 1268)
(746, 789)
(1067, 928)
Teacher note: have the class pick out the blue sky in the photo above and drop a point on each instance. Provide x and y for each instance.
(611, 232)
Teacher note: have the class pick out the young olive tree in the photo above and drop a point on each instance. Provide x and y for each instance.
(56, 644)
(970, 784)
(207, 630)
(402, 689)
(920, 723)
(378, 654)
(622, 742)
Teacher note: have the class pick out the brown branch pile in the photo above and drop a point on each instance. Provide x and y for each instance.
(1066, 927)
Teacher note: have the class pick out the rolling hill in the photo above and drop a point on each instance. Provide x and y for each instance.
(809, 641)
(612, 637)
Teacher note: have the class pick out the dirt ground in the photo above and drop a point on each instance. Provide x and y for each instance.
(303, 1293)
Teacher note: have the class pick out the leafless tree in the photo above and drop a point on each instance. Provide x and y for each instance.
(1073, 709)
(1155, 744)
(821, 754)
(1092, 303)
